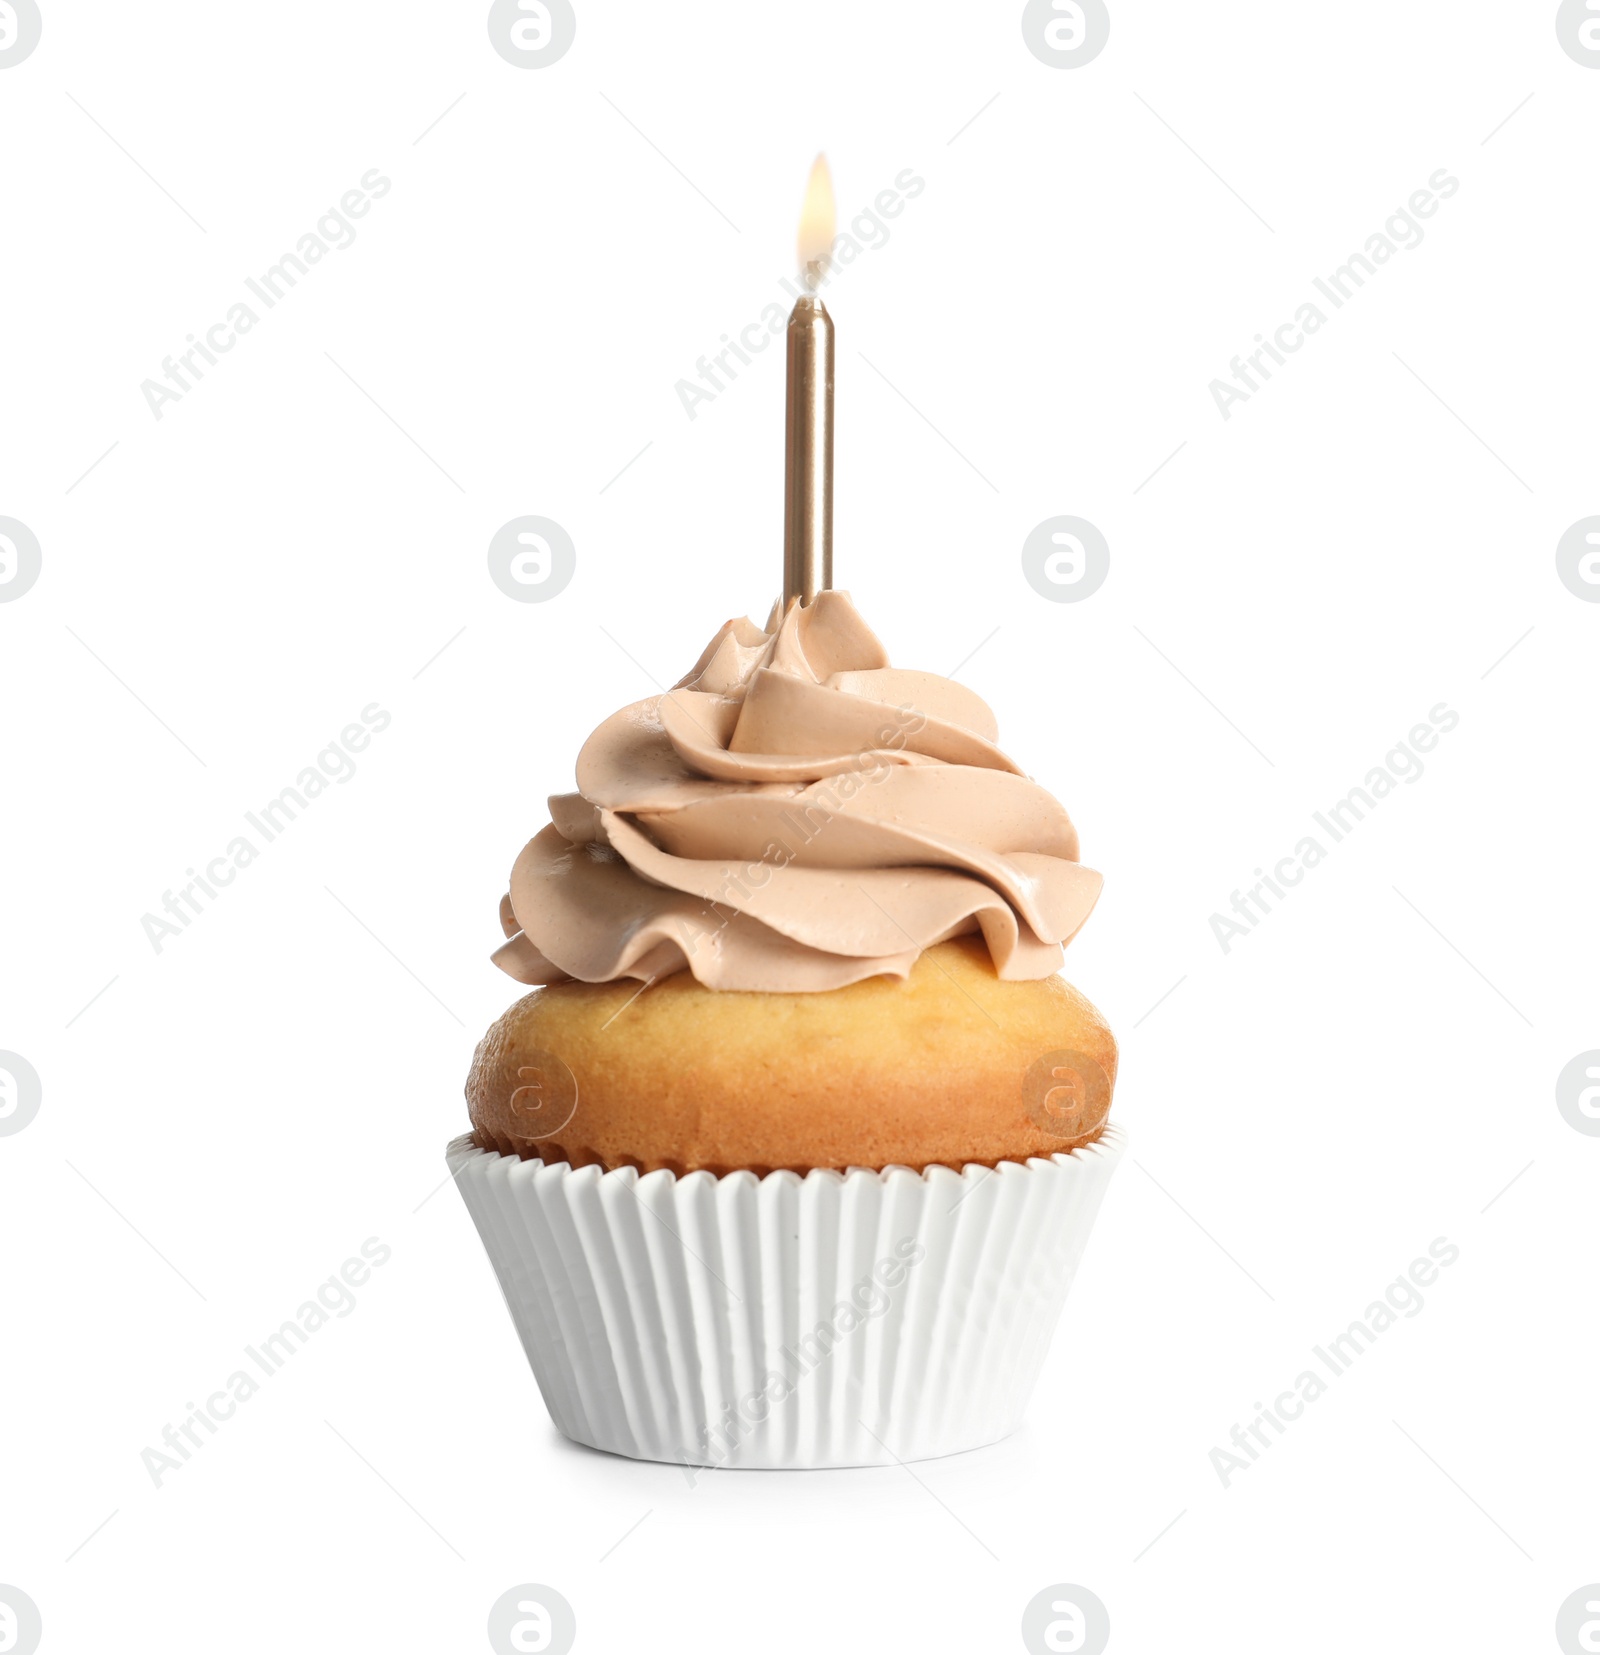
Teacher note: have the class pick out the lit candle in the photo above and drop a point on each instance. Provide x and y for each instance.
(808, 421)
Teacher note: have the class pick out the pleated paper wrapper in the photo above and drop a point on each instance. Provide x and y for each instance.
(834, 1319)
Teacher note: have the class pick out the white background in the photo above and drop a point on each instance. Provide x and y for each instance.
(230, 585)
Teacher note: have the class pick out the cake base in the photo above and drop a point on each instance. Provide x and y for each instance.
(951, 1066)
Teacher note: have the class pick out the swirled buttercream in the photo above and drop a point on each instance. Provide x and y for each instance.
(793, 815)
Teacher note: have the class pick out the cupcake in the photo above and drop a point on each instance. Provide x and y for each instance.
(790, 1155)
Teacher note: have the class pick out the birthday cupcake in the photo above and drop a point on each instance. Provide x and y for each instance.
(791, 1155)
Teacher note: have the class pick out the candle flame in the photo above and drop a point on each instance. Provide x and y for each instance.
(817, 221)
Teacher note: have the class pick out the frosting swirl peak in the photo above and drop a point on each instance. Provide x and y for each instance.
(794, 815)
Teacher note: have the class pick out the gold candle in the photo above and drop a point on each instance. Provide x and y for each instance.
(808, 419)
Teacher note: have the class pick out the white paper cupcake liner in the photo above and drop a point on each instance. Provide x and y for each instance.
(832, 1320)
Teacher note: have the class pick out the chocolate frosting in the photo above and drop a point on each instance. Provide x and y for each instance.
(793, 815)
